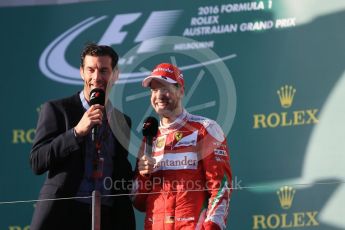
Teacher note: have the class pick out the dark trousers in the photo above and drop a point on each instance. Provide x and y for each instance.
(69, 214)
(83, 216)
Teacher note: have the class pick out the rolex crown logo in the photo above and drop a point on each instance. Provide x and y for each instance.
(286, 94)
(286, 195)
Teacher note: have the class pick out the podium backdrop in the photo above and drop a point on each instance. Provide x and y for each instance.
(271, 73)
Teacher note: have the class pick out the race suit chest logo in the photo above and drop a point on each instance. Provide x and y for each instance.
(178, 136)
(176, 161)
(159, 144)
(187, 140)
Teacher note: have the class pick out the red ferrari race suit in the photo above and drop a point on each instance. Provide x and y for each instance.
(191, 183)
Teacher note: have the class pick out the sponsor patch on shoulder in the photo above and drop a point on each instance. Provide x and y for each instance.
(220, 152)
(215, 131)
(185, 218)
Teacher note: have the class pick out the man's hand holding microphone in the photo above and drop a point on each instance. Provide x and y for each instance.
(146, 161)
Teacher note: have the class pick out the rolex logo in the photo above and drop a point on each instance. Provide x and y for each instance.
(286, 118)
(286, 195)
(286, 94)
(286, 219)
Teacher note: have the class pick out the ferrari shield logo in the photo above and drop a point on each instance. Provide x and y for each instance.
(178, 136)
(159, 143)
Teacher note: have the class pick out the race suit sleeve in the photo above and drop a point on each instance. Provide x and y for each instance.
(216, 163)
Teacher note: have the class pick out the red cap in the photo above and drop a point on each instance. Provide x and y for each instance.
(165, 72)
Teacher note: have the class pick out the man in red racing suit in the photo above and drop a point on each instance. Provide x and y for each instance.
(186, 182)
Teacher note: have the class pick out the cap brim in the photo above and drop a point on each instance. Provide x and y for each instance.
(146, 82)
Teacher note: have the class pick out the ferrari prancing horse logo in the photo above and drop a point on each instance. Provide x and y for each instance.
(178, 136)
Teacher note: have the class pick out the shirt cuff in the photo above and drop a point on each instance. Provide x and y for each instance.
(78, 138)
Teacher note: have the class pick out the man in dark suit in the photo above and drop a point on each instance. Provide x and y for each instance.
(63, 148)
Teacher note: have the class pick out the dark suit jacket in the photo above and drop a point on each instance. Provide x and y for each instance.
(56, 151)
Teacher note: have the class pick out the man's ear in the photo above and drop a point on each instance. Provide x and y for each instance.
(115, 75)
(81, 72)
(113, 78)
(182, 89)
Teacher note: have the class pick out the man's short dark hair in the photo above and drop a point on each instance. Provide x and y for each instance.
(95, 50)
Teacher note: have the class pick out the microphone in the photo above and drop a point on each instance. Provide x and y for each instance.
(97, 96)
(150, 129)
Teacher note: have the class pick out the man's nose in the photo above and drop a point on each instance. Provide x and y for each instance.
(97, 76)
